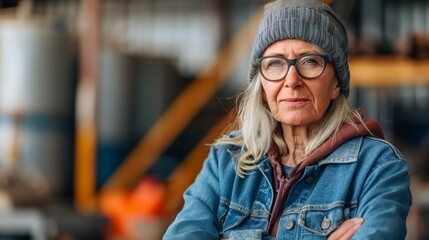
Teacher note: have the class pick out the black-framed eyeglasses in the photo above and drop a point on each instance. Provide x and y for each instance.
(308, 66)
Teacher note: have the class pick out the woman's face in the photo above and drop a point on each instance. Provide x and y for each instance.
(294, 100)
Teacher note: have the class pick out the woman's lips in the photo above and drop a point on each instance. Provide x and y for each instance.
(295, 101)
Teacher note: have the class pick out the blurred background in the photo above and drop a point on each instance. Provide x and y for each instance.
(107, 106)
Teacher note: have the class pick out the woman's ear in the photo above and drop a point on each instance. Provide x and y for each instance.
(336, 91)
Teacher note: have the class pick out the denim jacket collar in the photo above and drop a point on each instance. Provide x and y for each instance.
(346, 153)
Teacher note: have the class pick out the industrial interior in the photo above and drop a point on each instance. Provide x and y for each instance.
(107, 108)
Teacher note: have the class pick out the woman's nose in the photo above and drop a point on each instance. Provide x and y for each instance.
(292, 78)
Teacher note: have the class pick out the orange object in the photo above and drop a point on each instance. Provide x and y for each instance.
(148, 197)
(124, 209)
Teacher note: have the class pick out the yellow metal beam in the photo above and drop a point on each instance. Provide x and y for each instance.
(86, 101)
(184, 108)
(388, 71)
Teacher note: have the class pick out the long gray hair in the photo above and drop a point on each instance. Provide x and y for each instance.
(257, 127)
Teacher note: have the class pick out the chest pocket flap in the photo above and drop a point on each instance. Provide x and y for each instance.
(323, 219)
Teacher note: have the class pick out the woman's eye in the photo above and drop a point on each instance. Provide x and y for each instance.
(275, 63)
(311, 60)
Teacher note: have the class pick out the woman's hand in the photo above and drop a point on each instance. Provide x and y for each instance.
(347, 229)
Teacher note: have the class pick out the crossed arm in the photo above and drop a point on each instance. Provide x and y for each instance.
(344, 232)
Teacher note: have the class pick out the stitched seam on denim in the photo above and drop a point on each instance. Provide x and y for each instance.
(291, 211)
(235, 206)
(230, 206)
(380, 162)
(243, 210)
(267, 179)
(260, 214)
(326, 207)
(310, 207)
(394, 149)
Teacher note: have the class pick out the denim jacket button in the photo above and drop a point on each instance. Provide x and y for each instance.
(326, 223)
(289, 224)
(310, 179)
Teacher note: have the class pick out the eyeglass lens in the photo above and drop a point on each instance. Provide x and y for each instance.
(308, 66)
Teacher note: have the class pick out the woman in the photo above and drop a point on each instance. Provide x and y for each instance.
(302, 164)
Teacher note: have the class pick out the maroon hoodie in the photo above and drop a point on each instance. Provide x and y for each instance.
(283, 184)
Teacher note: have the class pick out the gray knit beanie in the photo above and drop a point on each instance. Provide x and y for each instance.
(309, 20)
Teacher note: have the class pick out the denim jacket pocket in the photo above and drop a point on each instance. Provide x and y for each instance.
(321, 220)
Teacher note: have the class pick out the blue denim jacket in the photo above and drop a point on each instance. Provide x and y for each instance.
(364, 177)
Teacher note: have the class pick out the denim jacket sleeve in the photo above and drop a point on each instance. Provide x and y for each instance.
(198, 217)
(386, 199)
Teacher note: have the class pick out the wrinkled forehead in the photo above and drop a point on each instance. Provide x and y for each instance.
(292, 46)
